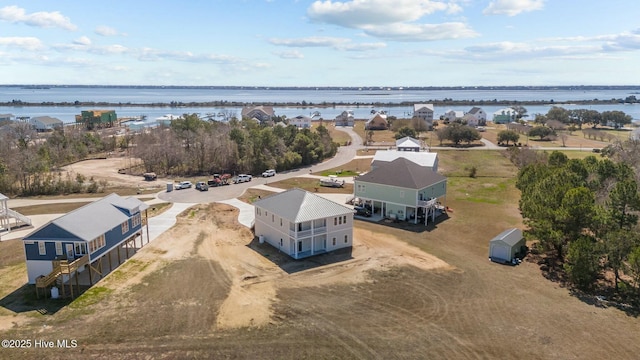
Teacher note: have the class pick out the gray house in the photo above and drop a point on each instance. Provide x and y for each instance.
(402, 190)
(45, 123)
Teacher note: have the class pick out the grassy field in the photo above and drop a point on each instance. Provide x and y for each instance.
(474, 310)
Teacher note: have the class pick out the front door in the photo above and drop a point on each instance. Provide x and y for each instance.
(70, 255)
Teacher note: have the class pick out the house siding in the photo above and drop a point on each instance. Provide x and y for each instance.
(386, 193)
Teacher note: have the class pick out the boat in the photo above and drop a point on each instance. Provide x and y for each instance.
(332, 181)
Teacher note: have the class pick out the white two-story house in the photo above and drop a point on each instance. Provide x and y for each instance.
(303, 224)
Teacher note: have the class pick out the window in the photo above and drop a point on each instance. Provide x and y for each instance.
(135, 220)
(125, 227)
(280, 222)
(96, 243)
(334, 241)
(344, 219)
(81, 249)
(335, 221)
(42, 248)
(273, 219)
(361, 188)
(280, 242)
(346, 239)
(58, 248)
(339, 220)
(402, 194)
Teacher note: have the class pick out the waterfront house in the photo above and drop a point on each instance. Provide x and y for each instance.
(504, 116)
(166, 120)
(303, 224)
(453, 115)
(45, 123)
(263, 114)
(479, 115)
(6, 118)
(301, 122)
(78, 241)
(378, 121)
(97, 118)
(345, 118)
(402, 190)
(425, 113)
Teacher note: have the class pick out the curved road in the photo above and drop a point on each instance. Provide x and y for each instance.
(345, 154)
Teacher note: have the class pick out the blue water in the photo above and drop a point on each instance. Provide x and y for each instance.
(185, 95)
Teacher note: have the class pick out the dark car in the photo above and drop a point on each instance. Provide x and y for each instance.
(362, 211)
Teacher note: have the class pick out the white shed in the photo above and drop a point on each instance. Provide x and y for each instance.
(508, 245)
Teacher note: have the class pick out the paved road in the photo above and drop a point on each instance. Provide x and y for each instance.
(345, 154)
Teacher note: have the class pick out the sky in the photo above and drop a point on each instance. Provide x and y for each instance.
(320, 43)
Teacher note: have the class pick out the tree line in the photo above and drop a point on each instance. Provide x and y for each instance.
(30, 162)
(585, 215)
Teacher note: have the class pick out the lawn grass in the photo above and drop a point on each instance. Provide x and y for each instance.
(251, 195)
(488, 163)
(311, 185)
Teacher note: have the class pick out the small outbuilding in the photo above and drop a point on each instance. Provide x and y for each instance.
(507, 246)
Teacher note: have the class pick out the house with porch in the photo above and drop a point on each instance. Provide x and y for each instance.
(77, 242)
(45, 123)
(301, 122)
(302, 224)
(408, 143)
(402, 190)
(453, 115)
(263, 114)
(479, 115)
(504, 116)
(425, 113)
(345, 118)
(377, 121)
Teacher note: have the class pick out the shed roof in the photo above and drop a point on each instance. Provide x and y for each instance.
(94, 219)
(404, 173)
(421, 158)
(297, 205)
(509, 236)
(408, 141)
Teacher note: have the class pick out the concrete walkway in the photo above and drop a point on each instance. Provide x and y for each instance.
(163, 222)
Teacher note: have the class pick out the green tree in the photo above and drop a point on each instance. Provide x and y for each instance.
(405, 131)
(582, 262)
(617, 118)
(559, 114)
(505, 136)
(540, 131)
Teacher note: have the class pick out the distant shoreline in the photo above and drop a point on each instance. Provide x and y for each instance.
(307, 104)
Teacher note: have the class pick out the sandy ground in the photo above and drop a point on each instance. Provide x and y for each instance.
(255, 278)
(107, 169)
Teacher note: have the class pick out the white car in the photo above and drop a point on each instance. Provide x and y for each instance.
(183, 185)
(270, 172)
(243, 178)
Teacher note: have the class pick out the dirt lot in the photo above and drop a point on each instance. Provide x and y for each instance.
(207, 289)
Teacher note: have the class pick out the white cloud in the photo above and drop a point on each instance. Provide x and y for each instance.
(25, 43)
(106, 31)
(42, 19)
(83, 40)
(292, 54)
(512, 7)
(391, 19)
(421, 32)
(330, 42)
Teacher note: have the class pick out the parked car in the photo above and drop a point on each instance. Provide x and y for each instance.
(268, 173)
(362, 211)
(243, 178)
(202, 186)
(183, 185)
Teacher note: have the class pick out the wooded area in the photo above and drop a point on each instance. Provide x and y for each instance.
(585, 215)
(30, 162)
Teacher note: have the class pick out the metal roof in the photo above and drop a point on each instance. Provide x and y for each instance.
(510, 236)
(94, 219)
(407, 141)
(403, 173)
(421, 158)
(297, 205)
